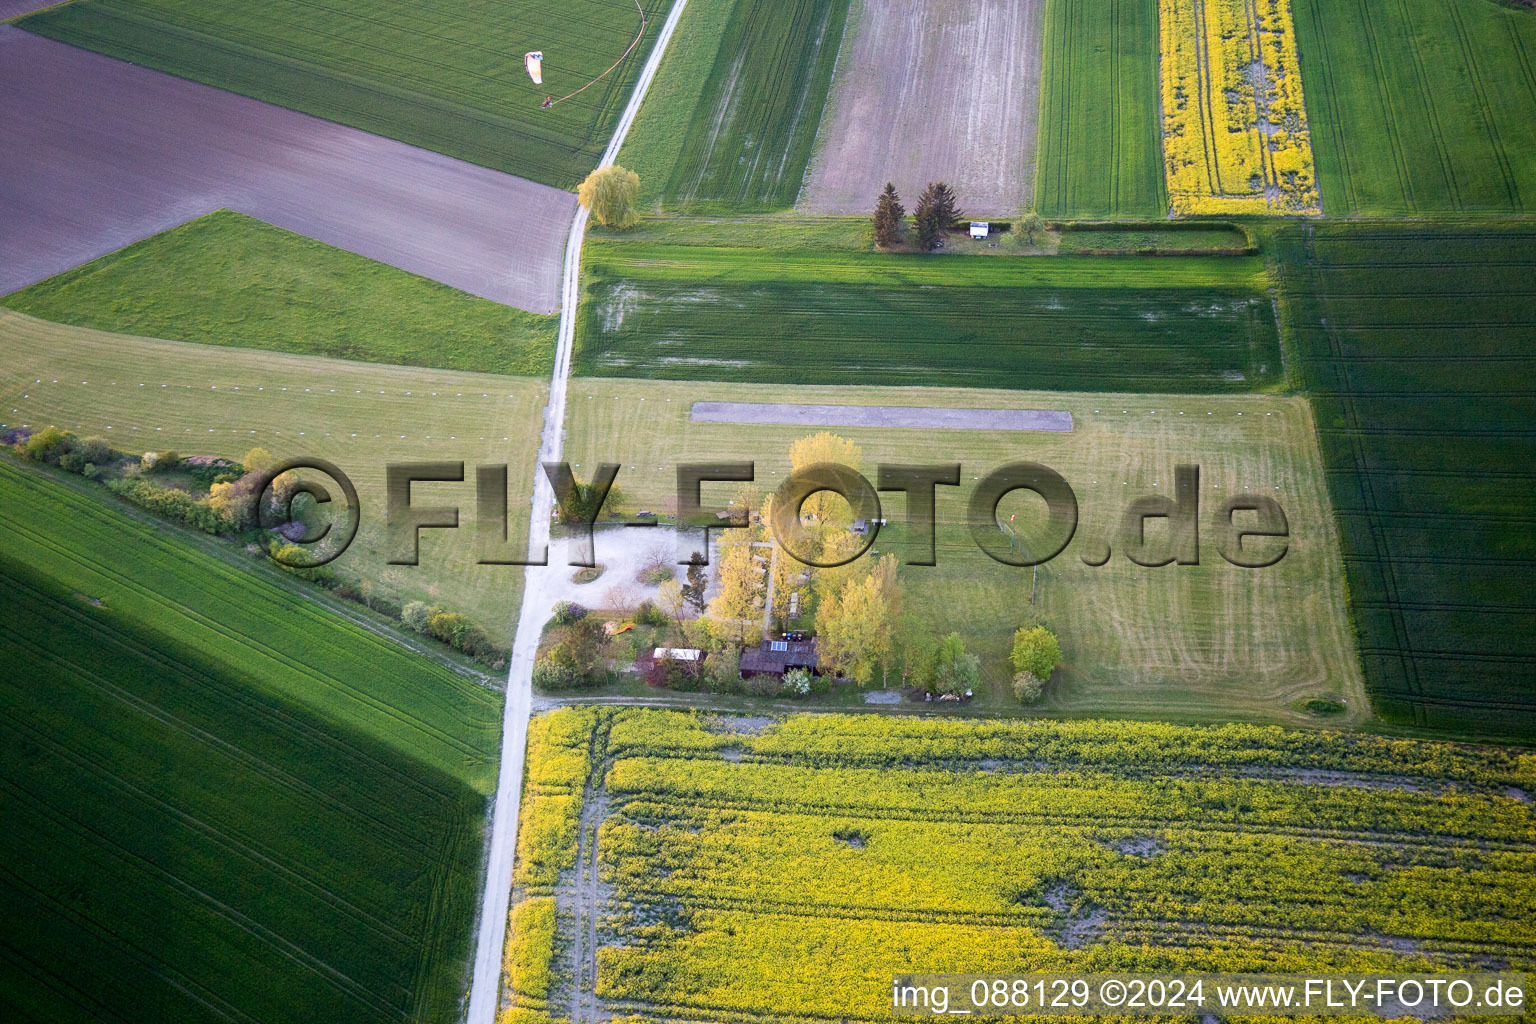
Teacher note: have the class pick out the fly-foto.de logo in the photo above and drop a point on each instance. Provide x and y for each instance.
(1248, 530)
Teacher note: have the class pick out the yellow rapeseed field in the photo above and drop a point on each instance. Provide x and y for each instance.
(1235, 136)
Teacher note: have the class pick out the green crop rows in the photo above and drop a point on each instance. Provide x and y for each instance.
(446, 76)
(226, 279)
(1420, 106)
(221, 802)
(785, 871)
(1069, 323)
(732, 127)
(1416, 344)
(1100, 137)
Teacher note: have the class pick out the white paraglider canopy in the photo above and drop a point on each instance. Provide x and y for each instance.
(533, 60)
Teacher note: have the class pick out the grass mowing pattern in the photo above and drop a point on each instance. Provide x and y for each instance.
(1067, 323)
(142, 394)
(1100, 145)
(1188, 643)
(221, 801)
(792, 868)
(742, 139)
(1416, 344)
(228, 279)
(1420, 106)
(442, 75)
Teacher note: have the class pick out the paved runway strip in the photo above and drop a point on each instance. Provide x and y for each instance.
(881, 416)
(99, 153)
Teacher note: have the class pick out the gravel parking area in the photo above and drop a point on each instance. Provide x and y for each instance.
(100, 153)
(882, 416)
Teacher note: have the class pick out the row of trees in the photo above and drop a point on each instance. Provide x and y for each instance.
(938, 211)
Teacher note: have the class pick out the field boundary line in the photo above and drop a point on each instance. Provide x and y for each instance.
(491, 932)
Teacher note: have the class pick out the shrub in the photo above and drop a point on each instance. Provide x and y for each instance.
(90, 471)
(650, 615)
(762, 684)
(449, 627)
(258, 460)
(567, 612)
(1027, 687)
(588, 574)
(1036, 651)
(177, 506)
(48, 445)
(415, 615)
(1324, 706)
(796, 683)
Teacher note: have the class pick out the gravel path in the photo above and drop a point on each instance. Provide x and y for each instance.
(100, 153)
(932, 90)
(485, 985)
(881, 416)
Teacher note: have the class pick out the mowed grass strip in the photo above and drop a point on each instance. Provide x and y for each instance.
(1100, 143)
(1202, 642)
(1420, 106)
(149, 395)
(1416, 343)
(445, 76)
(806, 317)
(228, 279)
(222, 802)
(732, 118)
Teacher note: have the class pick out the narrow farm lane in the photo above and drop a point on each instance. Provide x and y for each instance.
(485, 987)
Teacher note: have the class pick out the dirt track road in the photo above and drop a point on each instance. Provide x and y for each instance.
(485, 983)
(932, 90)
(99, 153)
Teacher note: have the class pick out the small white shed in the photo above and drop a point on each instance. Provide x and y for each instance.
(980, 229)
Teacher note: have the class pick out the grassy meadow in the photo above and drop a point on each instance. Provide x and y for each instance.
(731, 119)
(221, 800)
(1420, 106)
(786, 868)
(1205, 642)
(228, 279)
(1100, 143)
(144, 394)
(818, 317)
(445, 76)
(1415, 343)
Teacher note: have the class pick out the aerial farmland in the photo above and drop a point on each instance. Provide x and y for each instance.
(741, 511)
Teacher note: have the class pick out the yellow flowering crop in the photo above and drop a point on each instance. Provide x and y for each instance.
(1235, 136)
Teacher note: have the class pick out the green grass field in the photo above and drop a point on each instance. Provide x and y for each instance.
(360, 416)
(786, 869)
(1204, 642)
(1100, 141)
(221, 801)
(1420, 106)
(227, 279)
(445, 76)
(809, 317)
(1416, 344)
(730, 122)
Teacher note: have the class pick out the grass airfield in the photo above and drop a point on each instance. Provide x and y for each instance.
(360, 416)
(1198, 642)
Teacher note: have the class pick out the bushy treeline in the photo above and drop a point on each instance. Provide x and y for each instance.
(231, 510)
